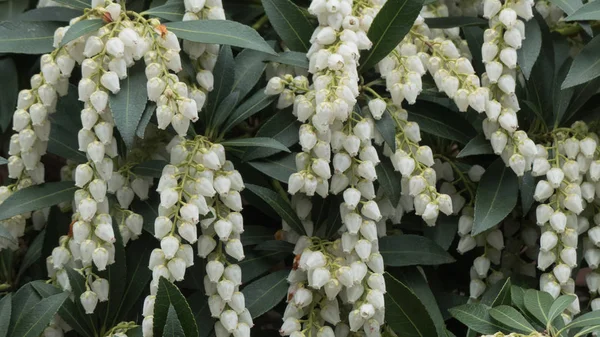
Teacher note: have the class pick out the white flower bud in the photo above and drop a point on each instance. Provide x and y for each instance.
(89, 300)
(169, 245)
(100, 258)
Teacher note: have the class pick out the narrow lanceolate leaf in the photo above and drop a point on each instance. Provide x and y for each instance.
(476, 146)
(255, 142)
(291, 58)
(10, 91)
(171, 11)
(279, 205)
(172, 325)
(278, 167)
(129, 103)
(220, 32)
(81, 28)
(586, 65)
(146, 116)
(151, 168)
(5, 312)
(409, 250)
(559, 305)
(387, 128)
(389, 180)
(404, 311)
(79, 4)
(455, 21)
(33, 254)
(27, 37)
(476, 316)
(568, 6)
(169, 295)
(266, 292)
(37, 318)
(252, 105)
(224, 75)
(249, 67)
(439, 121)
(389, 28)
(52, 13)
(591, 318)
(497, 294)
(282, 127)
(529, 52)
(526, 189)
(510, 317)
(589, 11)
(36, 197)
(290, 23)
(497, 195)
(538, 304)
(224, 110)
(62, 143)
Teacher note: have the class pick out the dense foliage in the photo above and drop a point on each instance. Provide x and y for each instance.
(299, 168)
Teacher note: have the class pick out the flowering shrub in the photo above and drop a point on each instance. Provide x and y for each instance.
(322, 168)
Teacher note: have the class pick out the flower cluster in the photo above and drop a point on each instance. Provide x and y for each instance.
(201, 186)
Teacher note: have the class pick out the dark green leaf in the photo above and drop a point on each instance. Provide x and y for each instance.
(290, 23)
(404, 311)
(529, 52)
(171, 11)
(559, 305)
(172, 325)
(589, 319)
(538, 304)
(224, 75)
(258, 263)
(387, 128)
(517, 296)
(266, 292)
(444, 232)
(439, 121)
(586, 65)
(33, 254)
(220, 32)
(279, 168)
(224, 110)
(116, 275)
(394, 21)
(455, 21)
(36, 197)
(474, 37)
(7, 238)
(252, 105)
(77, 282)
(249, 67)
(37, 318)
(148, 209)
(24, 299)
(63, 143)
(27, 37)
(79, 4)
(146, 116)
(527, 187)
(510, 317)
(291, 58)
(589, 11)
(168, 295)
(255, 142)
(9, 9)
(151, 168)
(334, 218)
(497, 294)
(80, 29)
(275, 245)
(5, 312)
(389, 180)
(477, 317)
(282, 127)
(280, 205)
(59, 14)
(410, 250)
(582, 95)
(496, 196)
(199, 305)
(540, 87)
(68, 113)
(10, 91)
(562, 97)
(129, 103)
(256, 234)
(476, 146)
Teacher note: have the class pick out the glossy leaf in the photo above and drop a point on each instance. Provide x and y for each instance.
(387, 128)
(589, 11)
(146, 116)
(62, 143)
(79, 4)
(249, 67)
(172, 325)
(588, 319)
(389, 180)
(439, 121)
(529, 52)
(256, 234)
(170, 11)
(476, 316)
(497, 294)
(586, 65)
(251, 106)
(527, 188)
(52, 13)
(538, 304)
(37, 197)
(258, 263)
(562, 97)
(151, 168)
(5, 312)
(266, 292)
(10, 91)
(559, 305)
(455, 21)
(275, 245)
(169, 295)
(279, 205)
(27, 37)
(37, 318)
(510, 317)
(255, 142)
(410, 250)
(33, 254)
(496, 196)
(81, 28)
(224, 75)
(224, 109)
(290, 23)
(568, 6)
(291, 58)
(129, 103)
(282, 127)
(279, 168)
(476, 146)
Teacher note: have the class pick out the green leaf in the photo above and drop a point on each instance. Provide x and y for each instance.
(275, 245)
(280, 168)
(290, 23)
(9, 9)
(78, 4)
(589, 319)
(589, 11)
(68, 114)
(559, 305)
(129, 103)
(63, 143)
(3, 161)
(387, 128)
(334, 218)
(562, 97)
(151, 168)
(394, 21)
(33, 254)
(80, 29)
(256, 234)
(497, 294)
(224, 75)
(582, 95)
(537, 304)
(529, 52)
(585, 66)
(255, 142)
(258, 263)
(252, 105)
(7, 238)
(389, 180)
(225, 109)
(474, 37)
(540, 86)
(24, 299)
(476, 316)
(568, 6)
(148, 209)
(440, 121)
(510, 317)
(168, 295)
(282, 127)
(266, 292)
(10, 91)
(291, 58)
(517, 296)
(444, 232)
(53, 13)
(455, 21)
(220, 32)
(404, 311)
(410, 250)
(5, 312)
(116, 275)
(24, 37)
(37, 197)
(496, 196)
(527, 188)
(146, 116)
(279, 205)
(172, 325)
(37, 318)
(170, 11)
(249, 67)
(476, 146)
